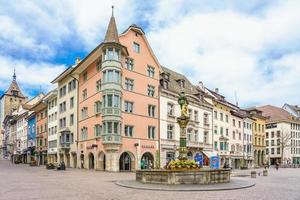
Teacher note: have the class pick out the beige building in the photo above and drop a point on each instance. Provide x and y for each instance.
(67, 88)
(223, 126)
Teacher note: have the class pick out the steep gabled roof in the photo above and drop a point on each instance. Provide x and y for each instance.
(14, 87)
(112, 31)
(221, 99)
(174, 79)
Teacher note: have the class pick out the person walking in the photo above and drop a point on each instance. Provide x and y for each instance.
(277, 165)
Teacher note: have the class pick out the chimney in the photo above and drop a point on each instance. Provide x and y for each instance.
(217, 90)
(77, 61)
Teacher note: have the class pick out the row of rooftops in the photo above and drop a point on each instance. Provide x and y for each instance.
(268, 112)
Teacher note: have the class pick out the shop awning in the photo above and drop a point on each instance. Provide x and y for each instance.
(209, 154)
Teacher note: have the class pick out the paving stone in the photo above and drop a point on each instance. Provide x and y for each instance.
(19, 182)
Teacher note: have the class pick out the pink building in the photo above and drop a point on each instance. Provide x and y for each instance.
(118, 124)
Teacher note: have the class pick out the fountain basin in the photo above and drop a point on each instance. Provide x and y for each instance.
(173, 177)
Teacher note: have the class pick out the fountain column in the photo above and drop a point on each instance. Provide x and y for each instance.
(183, 120)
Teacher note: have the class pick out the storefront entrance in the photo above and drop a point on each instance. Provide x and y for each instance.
(91, 161)
(147, 161)
(81, 161)
(125, 162)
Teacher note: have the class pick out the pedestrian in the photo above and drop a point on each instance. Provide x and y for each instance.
(276, 165)
(150, 164)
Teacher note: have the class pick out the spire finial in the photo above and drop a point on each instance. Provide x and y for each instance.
(112, 10)
(14, 76)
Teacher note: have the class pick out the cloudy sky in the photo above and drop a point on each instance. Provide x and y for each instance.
(251, 48)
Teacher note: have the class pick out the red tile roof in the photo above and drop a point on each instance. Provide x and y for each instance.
(275, 114)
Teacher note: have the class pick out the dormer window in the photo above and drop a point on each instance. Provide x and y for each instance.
(181, 83)
(112, 54)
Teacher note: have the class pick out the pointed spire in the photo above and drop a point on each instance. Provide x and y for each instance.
(14, 76)
(112, 32)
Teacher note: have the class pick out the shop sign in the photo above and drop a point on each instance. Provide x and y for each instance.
(92, 146)
(273, 125)
(147, 146)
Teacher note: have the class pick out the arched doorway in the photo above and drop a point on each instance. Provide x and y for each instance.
(190, 155)
(74, 158)
(91, 161)
(125, 162)
(258, 158)
(68, 159)
(82, 161)
(101, 161)
(147, 161)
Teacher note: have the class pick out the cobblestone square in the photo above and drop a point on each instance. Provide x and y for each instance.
(20, 182)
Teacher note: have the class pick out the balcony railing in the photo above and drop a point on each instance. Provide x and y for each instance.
(194, 144)
(111, 111)
(65, 145)
(111, 139)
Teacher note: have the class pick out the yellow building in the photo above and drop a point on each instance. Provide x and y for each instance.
(258, 136)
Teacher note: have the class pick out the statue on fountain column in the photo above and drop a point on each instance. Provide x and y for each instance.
(183, 102)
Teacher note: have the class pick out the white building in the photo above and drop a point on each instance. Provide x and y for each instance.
(247, 140)
(51, 100)
(282, 136)
(67, 106)
(236, 140)
(199, 129)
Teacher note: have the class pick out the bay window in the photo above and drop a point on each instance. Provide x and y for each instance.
(112, 54)
(111, 76)
(111, 127)
(111, 100)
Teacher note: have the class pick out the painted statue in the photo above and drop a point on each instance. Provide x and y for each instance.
(183, 102)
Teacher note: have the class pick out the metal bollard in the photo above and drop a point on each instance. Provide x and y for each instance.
(265, 173)
(253, 174)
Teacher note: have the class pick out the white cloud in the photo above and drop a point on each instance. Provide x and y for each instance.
(247, 47)
(225, 49)
(36, 32)
(30, 76)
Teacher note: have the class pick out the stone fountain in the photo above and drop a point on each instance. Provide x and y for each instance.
(186, 172)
